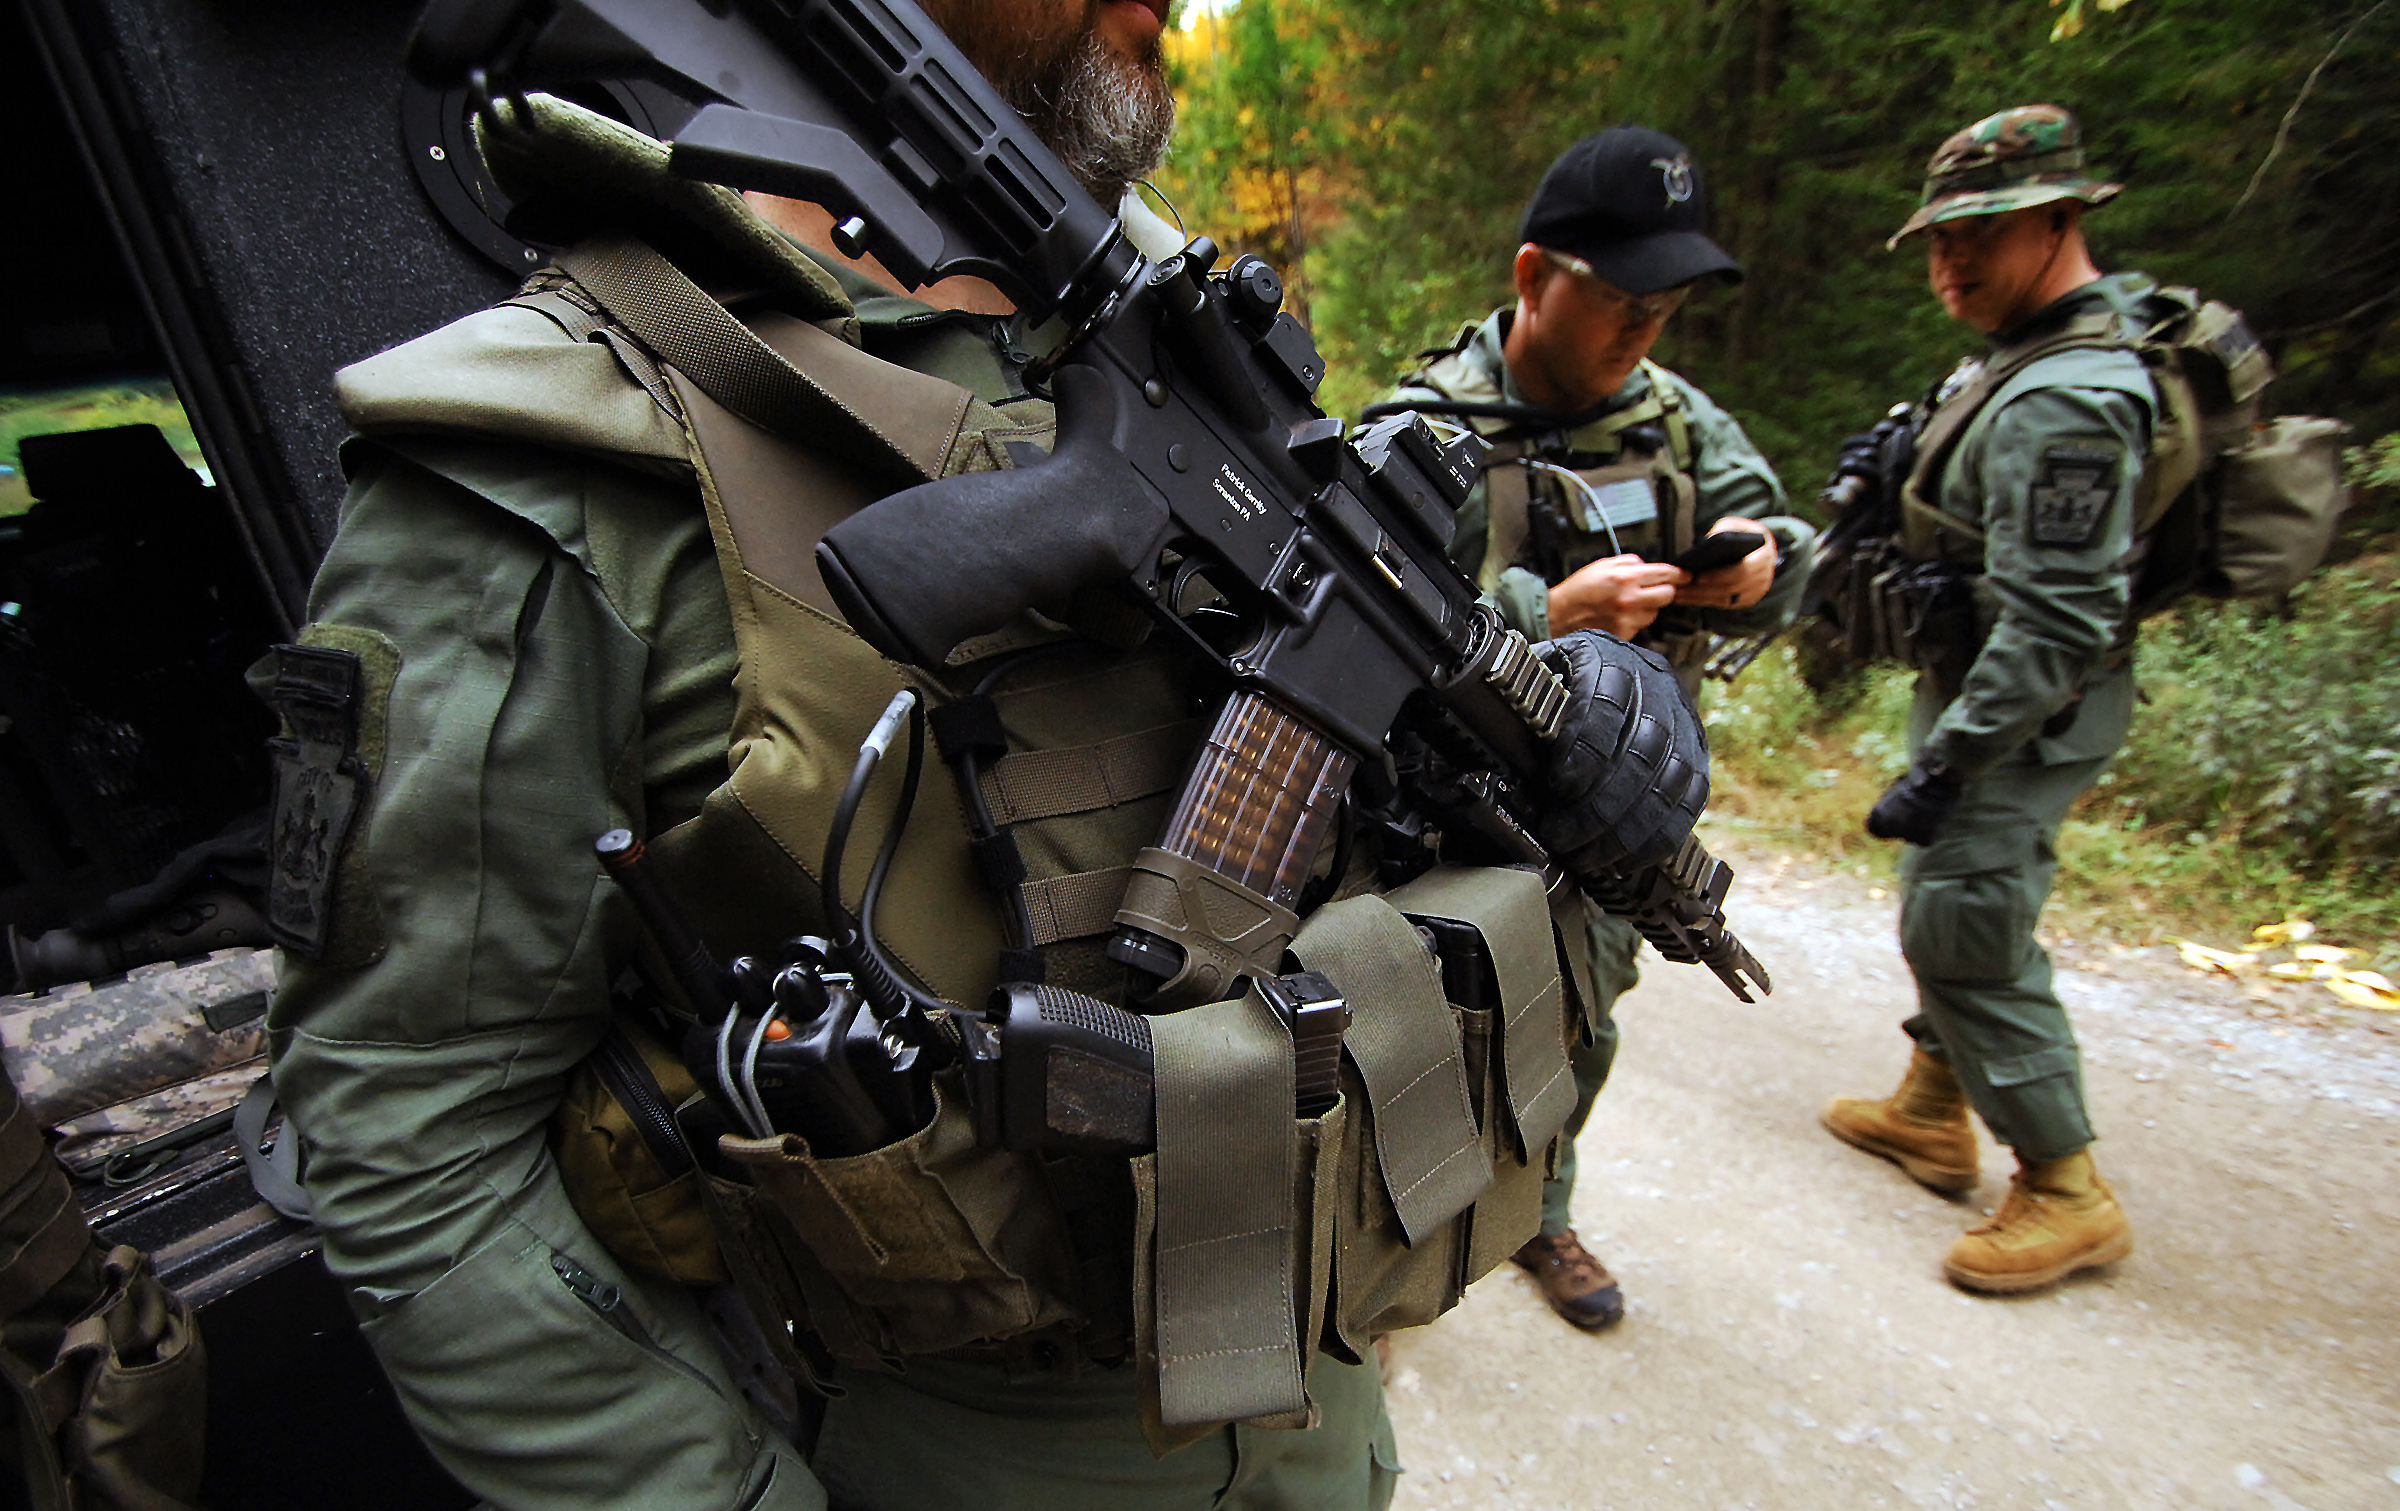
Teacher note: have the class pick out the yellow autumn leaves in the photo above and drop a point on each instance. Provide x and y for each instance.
(2070, 21)
(2281, 952)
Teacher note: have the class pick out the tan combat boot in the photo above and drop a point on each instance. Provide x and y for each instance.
(1577, 1286)
(1923, 1127)
(2060, 1217)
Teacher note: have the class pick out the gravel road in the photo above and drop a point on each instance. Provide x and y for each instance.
(1789, 1341)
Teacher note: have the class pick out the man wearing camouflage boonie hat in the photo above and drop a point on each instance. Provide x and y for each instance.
(2032, 155)
(2022, 484)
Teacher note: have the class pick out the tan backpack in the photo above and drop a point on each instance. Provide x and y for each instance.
(2229, 506)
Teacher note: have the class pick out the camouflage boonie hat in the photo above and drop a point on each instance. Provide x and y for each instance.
(2030, 155)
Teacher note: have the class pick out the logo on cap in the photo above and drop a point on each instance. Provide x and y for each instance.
(1677, 173)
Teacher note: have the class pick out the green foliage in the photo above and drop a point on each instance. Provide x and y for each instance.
(55, 411)
(2262, 164)
(1799, 767)
(1431, 120)
(2070, 17)
(2279, 732)
(2376, 465)
(2262, 778)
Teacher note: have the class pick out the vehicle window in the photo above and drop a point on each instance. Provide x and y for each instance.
(140, 400)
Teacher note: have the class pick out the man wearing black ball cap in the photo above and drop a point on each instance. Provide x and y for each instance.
(1607, 470)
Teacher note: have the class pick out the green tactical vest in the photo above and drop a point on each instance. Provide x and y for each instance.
(2082, 353)
(1620, 483)
(1249, 1240)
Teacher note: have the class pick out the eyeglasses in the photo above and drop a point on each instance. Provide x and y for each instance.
(1631, 309)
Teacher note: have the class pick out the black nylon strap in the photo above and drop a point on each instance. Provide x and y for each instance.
(997, 857)
(1026, 966)
(968, 726)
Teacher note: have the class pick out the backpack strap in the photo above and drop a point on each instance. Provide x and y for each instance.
(1923, 522)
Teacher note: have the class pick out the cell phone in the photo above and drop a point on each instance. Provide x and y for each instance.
(1710, 552)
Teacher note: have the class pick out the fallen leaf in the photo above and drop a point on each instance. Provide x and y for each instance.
(2330, 954)
(2369, 989)
(2201, 958)
(2292, 970)
(2268, 935)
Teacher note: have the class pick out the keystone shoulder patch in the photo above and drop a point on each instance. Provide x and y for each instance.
(2072, 491)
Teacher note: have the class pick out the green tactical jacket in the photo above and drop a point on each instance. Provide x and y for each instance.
(558, 630)
(1728, 473)
(2044, 479)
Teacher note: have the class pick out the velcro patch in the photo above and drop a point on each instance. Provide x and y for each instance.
(2072, 492)
(318, 782)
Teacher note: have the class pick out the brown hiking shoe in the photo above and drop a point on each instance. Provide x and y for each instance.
(1577, 1286)
(2060, 1217)
(1923, 1127)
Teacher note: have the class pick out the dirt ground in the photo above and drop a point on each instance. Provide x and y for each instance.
(1789, 1341)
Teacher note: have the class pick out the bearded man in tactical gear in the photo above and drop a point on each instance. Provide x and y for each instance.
(2022, 488)
(572, 592)
(1606, 468)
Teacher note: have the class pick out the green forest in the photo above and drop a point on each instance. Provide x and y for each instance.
(1381, 151)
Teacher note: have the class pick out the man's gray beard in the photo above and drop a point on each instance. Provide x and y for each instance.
(1107, 119)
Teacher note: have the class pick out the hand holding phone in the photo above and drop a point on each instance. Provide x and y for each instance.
(1710, 552)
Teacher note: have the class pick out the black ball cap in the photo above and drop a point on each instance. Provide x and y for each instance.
(1629, 201)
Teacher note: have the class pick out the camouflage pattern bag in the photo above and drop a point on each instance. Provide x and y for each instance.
(112, 1067)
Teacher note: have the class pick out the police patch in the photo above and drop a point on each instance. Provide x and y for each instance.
(2072, 492)
(318, 782)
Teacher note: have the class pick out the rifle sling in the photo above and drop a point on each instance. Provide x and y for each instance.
(840, 399)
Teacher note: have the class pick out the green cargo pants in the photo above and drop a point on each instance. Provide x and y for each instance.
(951, 1434)
(1968, 906)
(1612, 945)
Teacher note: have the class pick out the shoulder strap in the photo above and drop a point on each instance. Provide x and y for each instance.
(1920, 516)
(575, 311)
(1508, 501)
(1670, 406)
(1659, 404)
(698, 337)
(791, 427)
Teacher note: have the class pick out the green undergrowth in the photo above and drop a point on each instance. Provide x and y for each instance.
(2261, 779)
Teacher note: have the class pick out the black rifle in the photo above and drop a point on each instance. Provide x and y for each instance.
(1192, 465)
(1881, 603)
(1860, 507)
